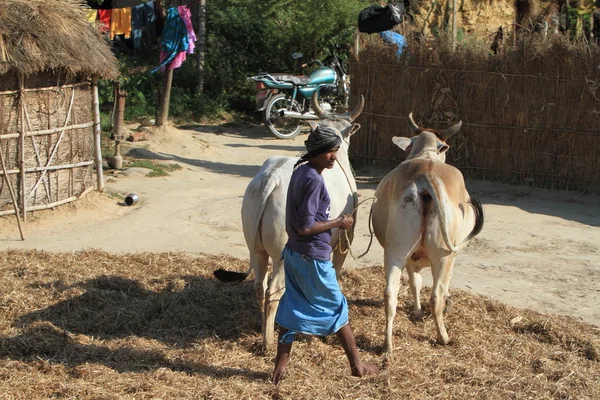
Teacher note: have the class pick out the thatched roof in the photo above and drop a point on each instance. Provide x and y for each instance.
(39, 35)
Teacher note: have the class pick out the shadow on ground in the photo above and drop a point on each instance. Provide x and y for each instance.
(44, 341)
(187, 308)
(247, 171)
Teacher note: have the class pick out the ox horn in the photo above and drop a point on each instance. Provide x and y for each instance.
(446, 133)
(358, 109)
(411, 124)
(314, 104)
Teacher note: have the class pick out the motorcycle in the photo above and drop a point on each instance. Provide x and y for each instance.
(284, 99)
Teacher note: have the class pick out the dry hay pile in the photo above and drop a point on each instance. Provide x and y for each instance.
(93, 325)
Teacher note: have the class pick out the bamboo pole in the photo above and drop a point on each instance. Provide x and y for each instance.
(50, 168)
(55, 149)
(74, 121)
(97, 132)
(22, 147)
(6, 177)
(51, 205)
(12, 195)
(37, 154)
(42, 89)
(47, 131)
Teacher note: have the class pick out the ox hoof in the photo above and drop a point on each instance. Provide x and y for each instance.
(443, 341)
(388, 350)
(448, 305)
(418, 315)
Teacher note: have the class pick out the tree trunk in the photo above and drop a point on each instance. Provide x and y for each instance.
(454, 27)
(201, 43)
(162, 114)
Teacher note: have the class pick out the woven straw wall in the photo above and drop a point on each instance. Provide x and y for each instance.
(530, 114)
(63, 159)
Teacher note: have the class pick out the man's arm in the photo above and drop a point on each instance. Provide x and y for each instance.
(343, 222)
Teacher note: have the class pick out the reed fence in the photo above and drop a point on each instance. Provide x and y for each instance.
(530, 114)
(46, 143)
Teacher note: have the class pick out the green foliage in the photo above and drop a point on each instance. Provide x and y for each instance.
(157, 169)
(248, 36)
(243, 37)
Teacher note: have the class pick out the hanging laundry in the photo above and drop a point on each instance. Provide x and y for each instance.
(91, 15)
(137, 25)
(150, 22)
(174, 39)
(104, 17)
(120, 22)
(186, 16)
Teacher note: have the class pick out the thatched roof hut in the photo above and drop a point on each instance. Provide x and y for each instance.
(49, 56)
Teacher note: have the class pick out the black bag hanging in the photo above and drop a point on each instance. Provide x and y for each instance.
(378, 19)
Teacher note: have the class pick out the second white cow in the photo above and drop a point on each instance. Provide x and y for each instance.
(263, 215)
(422, 217)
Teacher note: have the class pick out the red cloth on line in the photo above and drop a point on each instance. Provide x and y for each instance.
(104, 16)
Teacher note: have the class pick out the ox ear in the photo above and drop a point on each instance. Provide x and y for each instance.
(402, 142)
(355, 127)
(313, 125)
(442, 148)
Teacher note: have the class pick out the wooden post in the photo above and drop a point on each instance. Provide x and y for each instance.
(116, 161)
(97, 132)
(162, 113)
(22, 146)
(5, 174)
(12, 195)
(120, 96)
(454, 27)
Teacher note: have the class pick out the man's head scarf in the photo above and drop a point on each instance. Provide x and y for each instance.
(320, 141)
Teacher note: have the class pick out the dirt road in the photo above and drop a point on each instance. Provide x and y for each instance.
(539, 249)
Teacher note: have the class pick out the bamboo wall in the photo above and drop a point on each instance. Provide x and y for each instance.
(530, 115)
(45, 139)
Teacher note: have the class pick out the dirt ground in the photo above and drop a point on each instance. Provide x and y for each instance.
(539, 249)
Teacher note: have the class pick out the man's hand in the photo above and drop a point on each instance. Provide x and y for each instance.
(346, 221)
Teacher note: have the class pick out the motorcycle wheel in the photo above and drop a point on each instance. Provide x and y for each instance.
(281, 127)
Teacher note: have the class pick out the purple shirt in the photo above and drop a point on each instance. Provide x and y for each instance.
(307, 202)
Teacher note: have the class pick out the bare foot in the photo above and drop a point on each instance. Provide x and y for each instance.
(278, 375)
(364, 369)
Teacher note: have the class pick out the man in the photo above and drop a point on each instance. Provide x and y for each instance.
(313, 302)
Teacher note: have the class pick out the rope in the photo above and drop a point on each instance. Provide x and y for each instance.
(338, 246)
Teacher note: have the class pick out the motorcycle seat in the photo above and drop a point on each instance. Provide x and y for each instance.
(298, 80)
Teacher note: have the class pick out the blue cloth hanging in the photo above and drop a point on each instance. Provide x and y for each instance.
(393, 38)
(174, 38)
(137, 25)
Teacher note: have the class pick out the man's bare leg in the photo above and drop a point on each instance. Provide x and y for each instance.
(358, 367)
(281, 359)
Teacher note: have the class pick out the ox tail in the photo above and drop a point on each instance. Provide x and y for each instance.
(436, 189)
(266, 186)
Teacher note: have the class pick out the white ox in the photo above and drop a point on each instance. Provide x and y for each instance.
(422, 217)
(263, 215)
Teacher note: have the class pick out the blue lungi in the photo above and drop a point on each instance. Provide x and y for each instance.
(313, 302)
